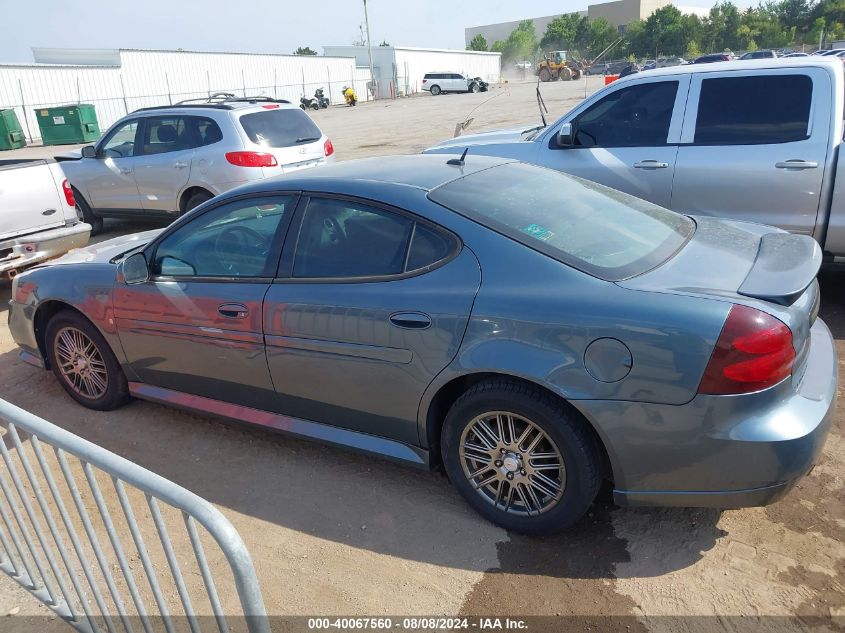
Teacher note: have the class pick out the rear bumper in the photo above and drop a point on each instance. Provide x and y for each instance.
(721, 451)
(35, 248)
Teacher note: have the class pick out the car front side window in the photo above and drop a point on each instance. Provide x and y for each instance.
(636, 116)
(240, 239)
(121, 142)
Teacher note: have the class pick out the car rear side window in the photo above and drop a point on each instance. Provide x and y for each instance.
(282, 127)
(754, 110)
(342, 239)
(593, 228)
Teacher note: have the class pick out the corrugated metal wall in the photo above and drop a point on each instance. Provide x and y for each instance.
(150, 78)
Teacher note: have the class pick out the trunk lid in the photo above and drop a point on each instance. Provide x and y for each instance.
(749, 264)
(287, 133)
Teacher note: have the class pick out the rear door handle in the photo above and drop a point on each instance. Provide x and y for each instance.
(410, 320)
(180, 165)
(125, 171)
(233, 310)
(796, 163)
(650, 164)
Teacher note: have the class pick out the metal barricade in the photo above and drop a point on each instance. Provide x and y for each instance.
(50, 532)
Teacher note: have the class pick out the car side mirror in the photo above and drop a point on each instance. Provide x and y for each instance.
(565, 135)
(133, 270)
(89, 151)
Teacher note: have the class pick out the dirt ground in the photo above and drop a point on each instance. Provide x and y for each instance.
(333, 532)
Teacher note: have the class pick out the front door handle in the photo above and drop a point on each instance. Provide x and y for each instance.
(410, 320)
(233, 310)
(125, 171)
(180, 165)
(796, 163)
(650, 164)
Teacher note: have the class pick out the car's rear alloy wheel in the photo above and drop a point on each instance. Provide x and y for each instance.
(512, 463)
(435, 90)
(83, 362)
(522, 458)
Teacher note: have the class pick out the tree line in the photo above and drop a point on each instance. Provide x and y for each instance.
(667, 31)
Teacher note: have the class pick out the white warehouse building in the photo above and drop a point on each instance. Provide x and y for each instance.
(117, 82)
(399, 70)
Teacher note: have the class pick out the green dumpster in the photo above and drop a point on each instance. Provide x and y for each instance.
(11, 134)
(63, 125)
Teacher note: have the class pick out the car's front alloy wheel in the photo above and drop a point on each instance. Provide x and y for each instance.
(84, 363)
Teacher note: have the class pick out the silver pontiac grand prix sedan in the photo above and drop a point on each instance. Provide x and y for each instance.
(533, 332)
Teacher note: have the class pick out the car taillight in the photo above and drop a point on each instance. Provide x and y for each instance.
(754, 351)
(328, 148)
(425, 81)
(270, 106)
(251, 159)
(68, 193)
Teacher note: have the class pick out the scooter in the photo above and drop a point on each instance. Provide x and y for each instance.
(349, 96)
(322, 100)
(305, 103)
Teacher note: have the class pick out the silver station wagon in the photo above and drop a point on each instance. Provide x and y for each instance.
(533, 332)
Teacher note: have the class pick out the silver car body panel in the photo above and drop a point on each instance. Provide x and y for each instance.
(706, 180)
(156, 184)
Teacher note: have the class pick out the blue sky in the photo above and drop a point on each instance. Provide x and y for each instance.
(272, 26)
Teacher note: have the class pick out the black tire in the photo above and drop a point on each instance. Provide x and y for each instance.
(545, 74)
(565, 430)
(196, 200)
(435, 90)
(116, 391)
(474, 88)
(88, 216)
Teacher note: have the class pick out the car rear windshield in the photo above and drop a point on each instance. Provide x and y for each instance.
(280, 128)
(593, 228)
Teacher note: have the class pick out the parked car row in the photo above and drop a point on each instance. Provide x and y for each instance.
(346, 303)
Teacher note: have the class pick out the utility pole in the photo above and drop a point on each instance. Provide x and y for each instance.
(370, 50)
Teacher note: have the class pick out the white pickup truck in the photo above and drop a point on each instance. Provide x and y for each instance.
(749, 140)
(38, 219)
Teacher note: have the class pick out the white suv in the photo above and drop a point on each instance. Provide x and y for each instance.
(161, 162)
(437, 83)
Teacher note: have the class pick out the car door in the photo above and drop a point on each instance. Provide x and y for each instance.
(167, 147)
(754, 146)
(373, 305)
(109, 178)
(195, 326)
(627, 139)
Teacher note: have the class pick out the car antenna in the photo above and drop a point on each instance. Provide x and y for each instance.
(458, 161)
(541, 104)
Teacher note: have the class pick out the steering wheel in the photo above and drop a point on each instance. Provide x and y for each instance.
(238, 239)
(333, 230)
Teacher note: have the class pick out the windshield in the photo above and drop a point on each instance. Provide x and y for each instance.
(280, 128)
(593, 228)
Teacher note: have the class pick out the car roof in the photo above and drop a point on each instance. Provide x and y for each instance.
(420, 171)
(773, 63)
(228, 106)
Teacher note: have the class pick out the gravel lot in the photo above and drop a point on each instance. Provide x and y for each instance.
(333, 532)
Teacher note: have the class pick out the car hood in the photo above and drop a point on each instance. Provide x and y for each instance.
(510, 135)
(105, 251)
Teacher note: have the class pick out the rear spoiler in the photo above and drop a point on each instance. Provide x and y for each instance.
(785, 265)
